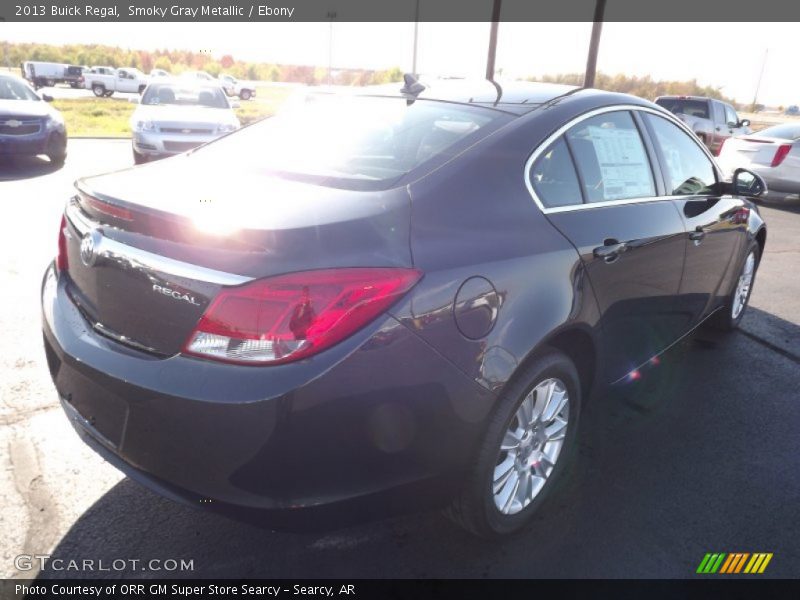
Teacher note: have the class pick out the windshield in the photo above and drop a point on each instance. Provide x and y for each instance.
(12, 89)
(347, 139)
(786, 132)
(176, 94)
(683, 106)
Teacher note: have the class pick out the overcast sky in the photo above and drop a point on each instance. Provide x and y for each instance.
(721, 54)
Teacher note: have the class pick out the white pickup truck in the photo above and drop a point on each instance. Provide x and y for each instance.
(234, 87)
(104, 81)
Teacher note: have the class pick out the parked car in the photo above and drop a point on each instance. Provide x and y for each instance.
(47, 74)
(199, 75)
(28, 124)
(159, 73)
(401, 299)
(711, 120)
(234, 87)
(104, 83)
(176, 116)
(773, 153)
(792, 110)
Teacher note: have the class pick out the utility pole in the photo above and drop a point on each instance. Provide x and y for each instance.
(594, 44)
(331, 15)
(416, 34)
(493, 41)
(758, 85)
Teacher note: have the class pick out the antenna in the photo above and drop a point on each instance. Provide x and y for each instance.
(411, 87)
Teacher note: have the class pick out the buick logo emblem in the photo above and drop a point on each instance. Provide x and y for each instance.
(13, 123)
(89, 248)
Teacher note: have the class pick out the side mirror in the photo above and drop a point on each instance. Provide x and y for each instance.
(744, 123)
(732, 124)
(747, 183)
(47, 97)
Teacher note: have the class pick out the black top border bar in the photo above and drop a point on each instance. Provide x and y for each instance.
(675, 11)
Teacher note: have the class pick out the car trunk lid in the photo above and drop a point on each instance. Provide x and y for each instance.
(149, 248)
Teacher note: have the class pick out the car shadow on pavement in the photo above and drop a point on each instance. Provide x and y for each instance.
(655, 473)
(25, 167)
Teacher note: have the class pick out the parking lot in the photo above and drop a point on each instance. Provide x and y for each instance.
(701, 457)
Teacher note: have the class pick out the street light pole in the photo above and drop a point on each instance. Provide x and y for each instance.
(493, 40)
(758, 85)
(331, 15)
(594, 44)
(416, 34)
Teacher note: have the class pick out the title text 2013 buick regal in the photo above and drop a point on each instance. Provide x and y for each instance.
(413, 292)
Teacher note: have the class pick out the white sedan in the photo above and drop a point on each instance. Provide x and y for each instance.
(773, 153)
(176, 116)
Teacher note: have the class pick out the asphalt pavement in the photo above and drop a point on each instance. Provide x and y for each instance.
(701, 456)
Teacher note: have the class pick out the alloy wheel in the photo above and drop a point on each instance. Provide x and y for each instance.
(531, 446)
(743, 286)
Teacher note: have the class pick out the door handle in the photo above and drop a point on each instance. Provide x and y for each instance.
(610, 250)
(697, 235)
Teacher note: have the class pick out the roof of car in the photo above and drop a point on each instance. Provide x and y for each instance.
(518, 97)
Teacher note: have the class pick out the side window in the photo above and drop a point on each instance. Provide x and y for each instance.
(719, 112)
(730, 115)
(689, 170)
(553, 177)
(611, 158)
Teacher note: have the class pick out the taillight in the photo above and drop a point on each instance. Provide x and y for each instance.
(780, 154)
(289, 317)
(106, 208)
(721, 144)
(61, 257)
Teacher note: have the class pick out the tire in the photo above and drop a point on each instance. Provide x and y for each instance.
(730, 315)
(57, 150)
(98, 90)
(141, 89)
(109, 93)
(477, 507)
(245, 95)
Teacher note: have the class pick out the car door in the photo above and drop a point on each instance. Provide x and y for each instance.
(125, 82)
(597, 185)
(735, 124)
(713, 221)
(720, 126)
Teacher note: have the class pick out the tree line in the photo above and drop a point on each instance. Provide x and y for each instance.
(644, 87)
(177, 61)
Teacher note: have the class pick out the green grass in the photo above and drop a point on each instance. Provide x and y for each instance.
(96, 117)
(109, 117)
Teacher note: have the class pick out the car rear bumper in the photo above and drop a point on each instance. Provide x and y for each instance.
(374, 414)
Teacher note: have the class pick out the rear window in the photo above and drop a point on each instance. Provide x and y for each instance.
(356, 142)
(684, 106)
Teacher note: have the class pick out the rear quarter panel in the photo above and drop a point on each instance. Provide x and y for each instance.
(475, 217)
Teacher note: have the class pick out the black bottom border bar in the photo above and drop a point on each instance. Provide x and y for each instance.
(464, 589)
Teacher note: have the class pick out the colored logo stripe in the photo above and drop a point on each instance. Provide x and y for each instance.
(711, 563)
(758, 563)
(734, 562)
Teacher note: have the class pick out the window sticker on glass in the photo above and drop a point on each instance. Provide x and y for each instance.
(623, 163)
